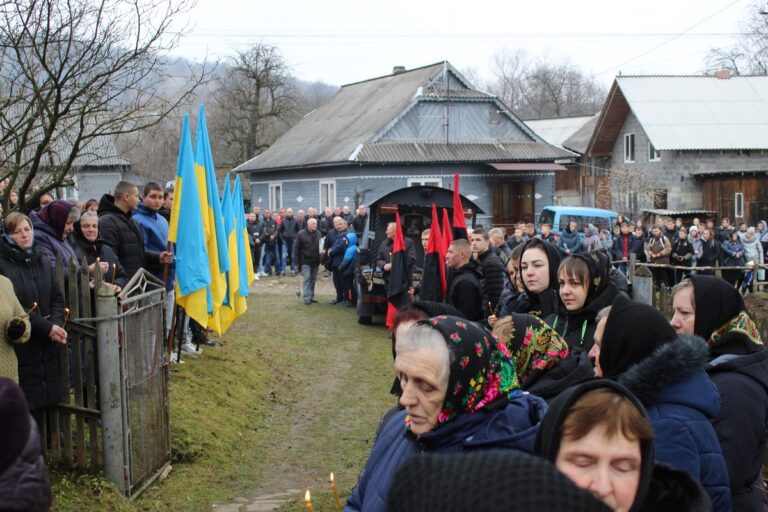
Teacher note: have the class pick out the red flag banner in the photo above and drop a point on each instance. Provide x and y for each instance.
(447, 234)
(433, 276)
(459, 224)
(397, 290)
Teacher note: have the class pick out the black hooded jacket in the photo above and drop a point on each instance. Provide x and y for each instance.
(119, 230)
(100, 249)
(494, 276)
(465, 291)
(739, 368)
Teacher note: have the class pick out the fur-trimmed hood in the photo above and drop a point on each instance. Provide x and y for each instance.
(665, 376)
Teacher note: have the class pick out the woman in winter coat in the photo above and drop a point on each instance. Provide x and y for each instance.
(86, 243)
(762, 234)
(585, 288)
(657, 250)
(24, 483)
(32, 276)
(636, 346)
(709, 307)
(52, 224)
(682, 255)
(600, 436)
(710, 252)
(753, 251)
(591, 241)
(15, 330)
(733, 256)
(460, 394)
(538, 266)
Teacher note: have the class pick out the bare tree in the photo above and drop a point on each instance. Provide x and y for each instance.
(256, 101)
(538, 88)
(75, 74)
(749, 55)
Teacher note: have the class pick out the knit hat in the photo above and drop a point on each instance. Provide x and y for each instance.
(632, 332)
(486, 480)
(14, 423)
(55, 214)
(549, 436)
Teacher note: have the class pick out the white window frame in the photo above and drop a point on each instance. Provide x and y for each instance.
(275, 201)
(738, 205)
(330, 196)
(416, 182)
(653, 155)
(629, 156)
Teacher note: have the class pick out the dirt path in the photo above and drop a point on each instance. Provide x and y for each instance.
(328, 408)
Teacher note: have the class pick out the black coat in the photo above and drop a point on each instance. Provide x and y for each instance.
(578, 328)
(288, 228)
(119, 230)
(465, 291)
(359, 223)
(682, 253)
(24, 485)
(384, 254)
(32, 278)
(710, 253)
(307, 248)
(98, 249)
(494, 277)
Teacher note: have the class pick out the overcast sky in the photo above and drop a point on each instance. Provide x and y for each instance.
(343, 41)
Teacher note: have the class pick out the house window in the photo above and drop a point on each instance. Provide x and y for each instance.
(275, 196)
(653, 155)
(327, 194)
(738, 205)
(660, 198)
(629, 147)
(415, 182)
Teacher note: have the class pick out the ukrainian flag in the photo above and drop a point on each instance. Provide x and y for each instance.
(192, 278)
(229, 307)
(244, 258)
(213, 222)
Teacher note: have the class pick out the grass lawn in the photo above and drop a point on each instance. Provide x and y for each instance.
(294, 393)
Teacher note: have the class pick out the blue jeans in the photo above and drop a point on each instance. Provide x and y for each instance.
(288, 251)
(272, 257)
(309, 275)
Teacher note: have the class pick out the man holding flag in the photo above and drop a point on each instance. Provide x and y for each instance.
(433, 282)
(399, 272)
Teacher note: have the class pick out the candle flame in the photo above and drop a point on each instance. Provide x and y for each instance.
(307, 497)
(331, 477)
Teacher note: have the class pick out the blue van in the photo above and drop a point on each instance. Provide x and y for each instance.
(560, 216)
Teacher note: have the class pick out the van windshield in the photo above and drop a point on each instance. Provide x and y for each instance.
(547, 216)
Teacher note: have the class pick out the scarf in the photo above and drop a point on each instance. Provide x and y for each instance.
(481, 369)
(741, 324)
(534, 345)
(545, 302)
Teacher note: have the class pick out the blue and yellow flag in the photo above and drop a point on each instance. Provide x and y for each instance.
(192, 278)
(229, 307)
(244, 257)
(213, 222)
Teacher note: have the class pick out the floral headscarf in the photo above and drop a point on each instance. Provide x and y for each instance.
(534, 345)
(481, 368)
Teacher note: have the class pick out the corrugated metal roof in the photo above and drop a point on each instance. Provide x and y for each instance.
(346, 129)
(420, 151)
(557, 130)
(700, 112)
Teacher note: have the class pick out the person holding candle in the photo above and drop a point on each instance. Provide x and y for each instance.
(86, 243)
(460, 393)
(16, 329)
(32, 276)
(52, 224)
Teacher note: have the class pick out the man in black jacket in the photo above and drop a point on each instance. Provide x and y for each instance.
(465, 291)
(307, 249)
(119, 230)
(288, 230)
(710, 253)
(255, 230)
(494, 273)
(270, 244)
(359, 222)
(384, 254)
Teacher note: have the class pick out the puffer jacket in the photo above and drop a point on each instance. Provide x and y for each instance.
(347, 265)
(465, 291)
(25, 485)
(731, 250)
(289, 228)
(569, 241)
(123, 234)
(494, 277)
(32, 278)
(682, 402)
(512, 427)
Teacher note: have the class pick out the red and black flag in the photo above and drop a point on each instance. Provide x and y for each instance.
(447, 233)
(433, 276)
(399, 280)
(459, 224)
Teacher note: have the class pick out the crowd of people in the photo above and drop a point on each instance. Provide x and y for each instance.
(537, 347)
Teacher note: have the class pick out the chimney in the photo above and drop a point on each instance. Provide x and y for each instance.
(398, 69)
(722, 74)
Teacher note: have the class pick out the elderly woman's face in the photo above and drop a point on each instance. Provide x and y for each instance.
(90, 228)
(607, 466)
(424, 387)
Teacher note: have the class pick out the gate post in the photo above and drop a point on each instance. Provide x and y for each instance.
(111, 389)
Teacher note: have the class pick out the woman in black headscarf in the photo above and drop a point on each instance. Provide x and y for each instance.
(585, 287)
(600, 425)
(538, 267)
(711, 308)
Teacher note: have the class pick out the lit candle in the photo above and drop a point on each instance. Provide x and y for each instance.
(34, 306)
(66, 317)
(335, 493)
(308, 501)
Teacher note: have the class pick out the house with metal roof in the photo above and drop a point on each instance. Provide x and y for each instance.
(411, 127)
(681, 143)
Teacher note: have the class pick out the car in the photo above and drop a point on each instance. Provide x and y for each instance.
(560, 216)
(414, 204)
